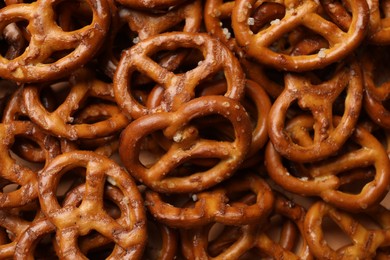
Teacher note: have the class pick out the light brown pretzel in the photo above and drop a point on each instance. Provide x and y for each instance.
(319, 99)
(325, 178)
(37, 63)
(364, 241)
(258, 45)
(179, 88)
(13, 171)
(186, 144)
(216, 205)
(61, 121)
(71, 221)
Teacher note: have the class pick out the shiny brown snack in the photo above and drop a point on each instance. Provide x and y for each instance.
(186, 144)
(325, 178)
(319, 100)
(251, 241)
(61, 121)
(13, 171)
(258, 45)
(36, 63)
(364, 241)
(216, 205)
(179, 88)
(128, 233)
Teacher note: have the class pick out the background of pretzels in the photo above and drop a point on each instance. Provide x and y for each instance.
(194, 129)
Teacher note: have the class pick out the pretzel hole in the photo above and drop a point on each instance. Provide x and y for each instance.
(154, 245)
(332, 231)
(10, 188)
(23, 158)
(14, 39)
(68, 180)
(100, 252)
(354, 181)
(57, 55)
(72, 15)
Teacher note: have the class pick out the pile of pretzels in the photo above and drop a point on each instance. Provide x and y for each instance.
(194, 129)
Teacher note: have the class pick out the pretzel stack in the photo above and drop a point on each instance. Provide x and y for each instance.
(194, 129)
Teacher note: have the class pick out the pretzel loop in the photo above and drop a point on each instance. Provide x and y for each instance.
(319, 99)
(299, 13)
(179, 88)
(187, 145)
(47, 38)
(73, 220)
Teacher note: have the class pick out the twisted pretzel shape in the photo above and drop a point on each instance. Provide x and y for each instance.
(47, 37)
(319, 100)
(179, 88)
(187, 144)
(323, 179)
(215, 205)
(71, 221)
(299, 13)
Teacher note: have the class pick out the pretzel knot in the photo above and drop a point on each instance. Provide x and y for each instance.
(364, 243)
(71, 221)
(237, 241)
(216, 205)
(46, 38)
(61, 121)
(179, 88)
(186, 144)
(307, 14)
(14, 172)
(320, 100)
(328, 177)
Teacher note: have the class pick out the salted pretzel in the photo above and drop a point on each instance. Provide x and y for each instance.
(325, 179)
(376, 85)
(364, 241)
(15, 172)
(259, 45)
(71, 221)
(37, 63)
(319, 99)
(61, 121)
(138, 25)
(186, 144)
(257, 104)
(179, 88)
(236, 241)
(216, 205)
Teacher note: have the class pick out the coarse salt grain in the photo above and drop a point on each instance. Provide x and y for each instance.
(322, 53)
(275, 22)
(136, 40)
(226, 33)
(251, 21)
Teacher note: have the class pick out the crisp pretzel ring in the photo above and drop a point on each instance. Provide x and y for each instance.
(364, 241)
(179, 88)
(215, 205)
(46, 38)
(299, 13)
(71, 221)
(61, 122)
(318, 99)
(187, 144)
(322, 179)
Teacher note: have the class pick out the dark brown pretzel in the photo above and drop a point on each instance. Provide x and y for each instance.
(319, 99)
(215, 205)
(179, 88)
(258, 45)
(14, 171)
(155, 4)
(46, 38)
(61, 121)
(187, 144)
(323, 179)
(365, 241)
(71, 221)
